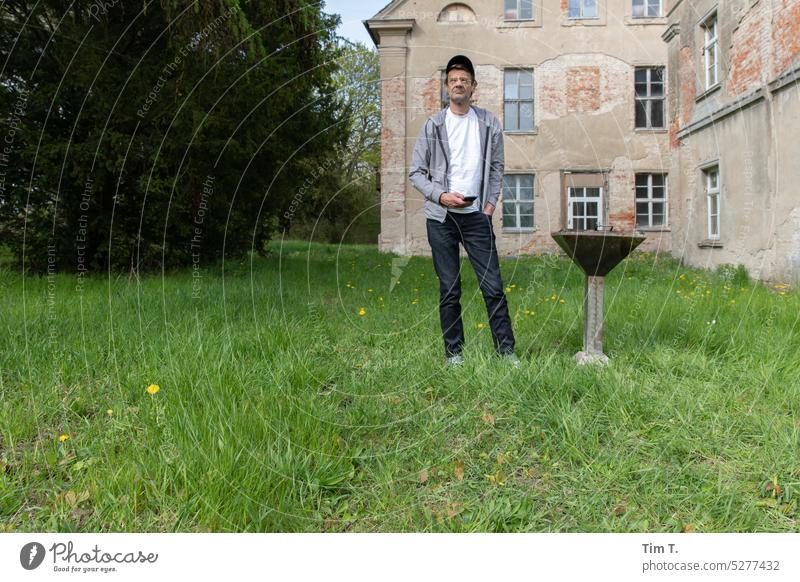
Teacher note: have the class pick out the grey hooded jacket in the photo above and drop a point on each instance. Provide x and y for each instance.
(431, 159)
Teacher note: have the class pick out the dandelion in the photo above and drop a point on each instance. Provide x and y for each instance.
(110, 412)
(481, 325)
(561, 301)
(369, 290)
(413, 302)
(553, 297)
(380, 298)
(153, 389)
(781, 286)
(733, 301)
(508, 289)
(362, 311)
(63, 438)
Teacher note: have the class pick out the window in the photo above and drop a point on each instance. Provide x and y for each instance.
(518, 100)
(712, 195)
(710, 49)
(651, 200)
(518, 10)
(584, 208)
(646, 8)
(518, 201)
(583, 8)
(649, 90)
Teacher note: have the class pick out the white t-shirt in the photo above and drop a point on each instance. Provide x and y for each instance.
(464, 174)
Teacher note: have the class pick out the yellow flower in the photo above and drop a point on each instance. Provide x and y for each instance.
(414, 302)
(152, 389)
(481, 325)
(362, 311)
(369, 290)
(553, 297)
(63, 438)
(561, 301)
(110, 412)
(380, 298)
(508, 289)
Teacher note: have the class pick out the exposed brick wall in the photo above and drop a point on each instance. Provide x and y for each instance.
(583, 89)
(749, 42)
(583, 83)
(785, 36)
(393, 165)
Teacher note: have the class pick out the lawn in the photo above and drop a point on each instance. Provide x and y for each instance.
(306, 392)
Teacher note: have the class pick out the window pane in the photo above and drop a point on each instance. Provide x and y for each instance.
(526, 182)
(657, 74)
(525, 92)
(509, 188)
(591, 224)
(641, 181)
(640, 89)
(526, 9)
(658, 208)
(511, 10)
(640, 76)
(525, 193)
(712, 179)
(591, 209)
(638, 7)
(642, 208)
(656, 89)
(589, 8)
(654, 8)
(511, 116)
(577, 209)
(574, 8)
(658, 180)
(525, 207)
(714, 203)
(641, 114)
(526, 115)
(526, 221)
(511, 82)
(593, 192)
(658, 220)
(509, 218)
(657, 113)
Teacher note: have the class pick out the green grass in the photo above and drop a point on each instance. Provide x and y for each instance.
(282, 409)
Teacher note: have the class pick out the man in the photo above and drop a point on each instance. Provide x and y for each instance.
(458, 166)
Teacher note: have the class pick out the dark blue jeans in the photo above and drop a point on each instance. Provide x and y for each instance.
(474, 231)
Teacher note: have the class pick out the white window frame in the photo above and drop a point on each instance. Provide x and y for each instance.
(650, 98)
(571, 197)
(519, 10)
(650, 199)
(515, 202)
(517, 102)
(711, 193)
(646, 5)
(710, 50)
(582, 6)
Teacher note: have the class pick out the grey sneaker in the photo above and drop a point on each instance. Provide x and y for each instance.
(455, 360)
(512, 359)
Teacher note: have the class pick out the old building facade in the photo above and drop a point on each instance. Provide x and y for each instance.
(734, 107)
(591, 97)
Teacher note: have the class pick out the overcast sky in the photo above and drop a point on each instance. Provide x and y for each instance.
(352, 13)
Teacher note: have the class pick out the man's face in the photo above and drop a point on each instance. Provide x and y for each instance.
(460, 86)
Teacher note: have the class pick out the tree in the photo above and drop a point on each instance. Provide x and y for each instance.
(162, 134)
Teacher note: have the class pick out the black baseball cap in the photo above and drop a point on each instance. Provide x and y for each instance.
(460, 61)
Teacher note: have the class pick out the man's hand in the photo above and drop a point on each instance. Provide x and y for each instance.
(454, 200)
(488, 209)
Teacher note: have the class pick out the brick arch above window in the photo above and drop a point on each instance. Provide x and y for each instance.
(457, 12)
